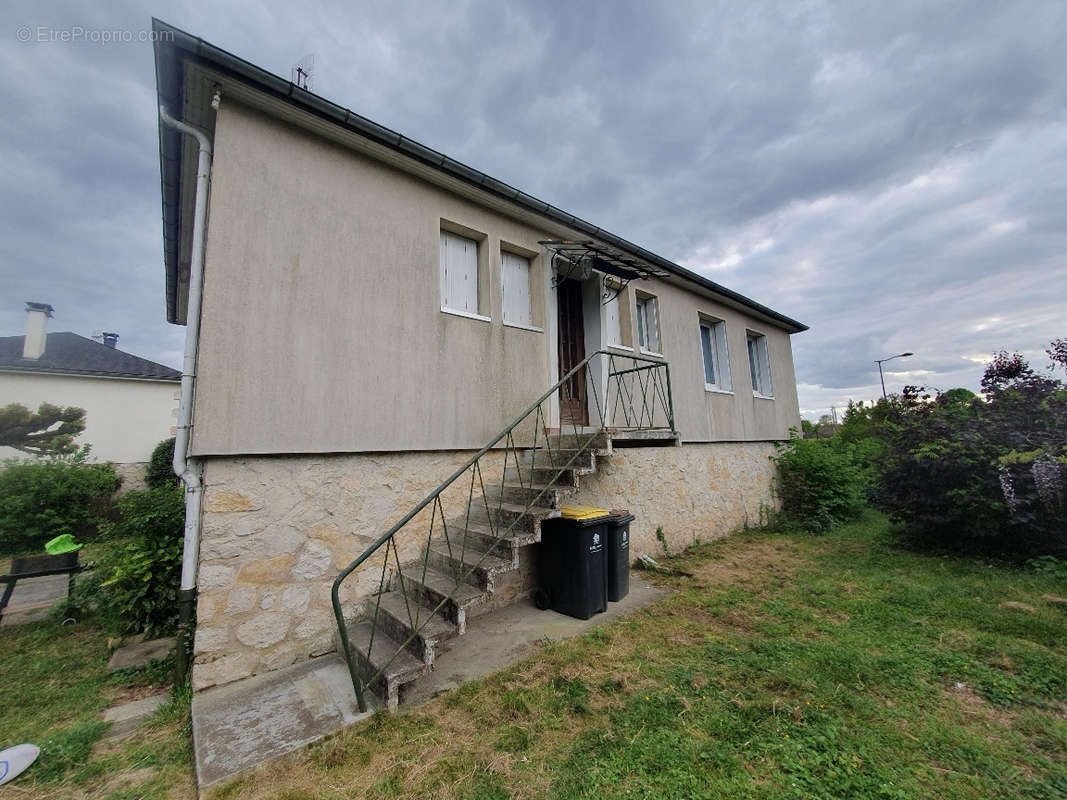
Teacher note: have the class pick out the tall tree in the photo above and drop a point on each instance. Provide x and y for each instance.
(48, 431)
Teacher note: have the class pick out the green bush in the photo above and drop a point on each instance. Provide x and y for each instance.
(160, 471)
(819, 482)
(981, 474)
(45, 497)
(139, 592)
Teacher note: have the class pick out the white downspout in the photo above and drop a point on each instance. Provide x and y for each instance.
(189, 470)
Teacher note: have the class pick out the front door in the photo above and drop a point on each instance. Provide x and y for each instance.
(572, 405)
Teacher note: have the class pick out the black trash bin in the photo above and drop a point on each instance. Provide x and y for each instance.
(572, 572)
(618, 557)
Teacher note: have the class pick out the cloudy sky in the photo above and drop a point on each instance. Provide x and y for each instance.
(892, 174)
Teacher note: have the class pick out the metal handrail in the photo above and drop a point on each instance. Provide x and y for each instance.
(662, 394)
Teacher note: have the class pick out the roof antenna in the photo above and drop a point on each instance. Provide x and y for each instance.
(304, 73)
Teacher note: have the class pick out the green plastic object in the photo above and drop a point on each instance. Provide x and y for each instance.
(61, 544)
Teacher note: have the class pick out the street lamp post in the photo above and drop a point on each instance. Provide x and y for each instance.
(879, 361)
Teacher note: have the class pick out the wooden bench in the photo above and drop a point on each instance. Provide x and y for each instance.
(26, 567)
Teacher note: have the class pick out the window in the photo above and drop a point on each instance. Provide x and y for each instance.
(515, 285)
(759, 365)
(647, 324)
(459, 274)
(616, 314)
(716, 358)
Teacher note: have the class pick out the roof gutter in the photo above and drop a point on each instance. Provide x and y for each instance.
(189, 470)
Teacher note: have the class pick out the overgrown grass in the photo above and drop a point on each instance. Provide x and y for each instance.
(789, 666)
(53, 687)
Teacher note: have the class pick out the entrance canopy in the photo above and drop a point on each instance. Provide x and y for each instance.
(576, 259)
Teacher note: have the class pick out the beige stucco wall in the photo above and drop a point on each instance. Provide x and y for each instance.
(703, 415)
(277, 531)
(124, 419)
(322, 329)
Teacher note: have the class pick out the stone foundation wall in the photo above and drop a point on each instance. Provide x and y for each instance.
(276, 531)
(695, 492)
(132, 476)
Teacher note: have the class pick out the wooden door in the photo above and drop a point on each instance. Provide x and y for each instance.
(572, 404)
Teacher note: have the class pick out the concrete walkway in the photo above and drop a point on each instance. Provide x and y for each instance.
(238, 726)
(243, 724)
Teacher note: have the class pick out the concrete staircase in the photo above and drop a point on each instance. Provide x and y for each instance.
(472, 572)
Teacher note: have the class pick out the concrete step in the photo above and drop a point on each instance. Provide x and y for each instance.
(547, 495)
(566, 478)
(583, 440)
(479, 534)
(473, 567)
(436, 589)
(398, 667)
(648, 437)
(126, 718)
(519, 519)
(582, 462)
(515, 518)
(407, 621)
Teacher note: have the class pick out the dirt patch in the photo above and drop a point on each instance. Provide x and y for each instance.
(1015, 605)
(974, 705)
(955, 639)
(118, 695)
(752, 561)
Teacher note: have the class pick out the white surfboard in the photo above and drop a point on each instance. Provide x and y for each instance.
(14, 760)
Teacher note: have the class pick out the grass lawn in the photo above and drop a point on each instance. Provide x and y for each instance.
(789, 666)
(53, 685)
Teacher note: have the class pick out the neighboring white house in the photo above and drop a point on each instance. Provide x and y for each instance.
(130, 402)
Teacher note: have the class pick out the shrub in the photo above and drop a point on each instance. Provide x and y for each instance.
(160, 470)
(140, 589)
(981, 474)
(45, 497)
(819, 482)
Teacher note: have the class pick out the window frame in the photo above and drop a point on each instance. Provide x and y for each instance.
(720, 355)
(529, 325)
(760, 369)
(644, 299)
(481, 274)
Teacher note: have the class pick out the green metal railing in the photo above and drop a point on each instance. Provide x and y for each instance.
(622, 393)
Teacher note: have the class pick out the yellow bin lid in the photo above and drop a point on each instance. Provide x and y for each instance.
(582, 512)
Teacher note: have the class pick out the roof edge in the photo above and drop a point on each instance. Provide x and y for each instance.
(168, 40)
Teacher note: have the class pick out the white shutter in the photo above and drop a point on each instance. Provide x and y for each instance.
(612, 323)
(459, 273)
(722, 357)
(760, 364)
(653, 325)
(515, 280)
(765, 368)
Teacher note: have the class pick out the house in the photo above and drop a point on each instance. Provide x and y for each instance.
(130, 402)
(368, 318)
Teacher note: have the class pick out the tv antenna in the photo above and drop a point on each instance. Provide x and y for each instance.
(304, 73)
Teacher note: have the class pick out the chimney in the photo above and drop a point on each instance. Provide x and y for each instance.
(110, 339)
(37, 315)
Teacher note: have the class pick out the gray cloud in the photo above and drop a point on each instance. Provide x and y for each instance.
(893, 174)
